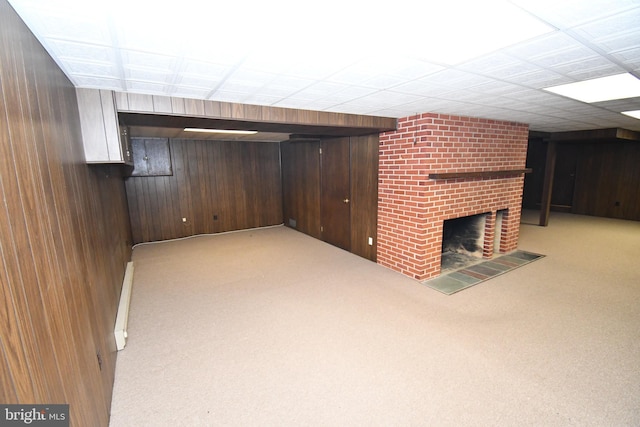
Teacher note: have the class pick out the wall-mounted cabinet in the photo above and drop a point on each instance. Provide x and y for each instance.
(105, 141)
(151, 157)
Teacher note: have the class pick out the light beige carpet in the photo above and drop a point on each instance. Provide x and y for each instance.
(271, 327)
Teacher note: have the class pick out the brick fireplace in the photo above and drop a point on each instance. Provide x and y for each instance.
(436, 167)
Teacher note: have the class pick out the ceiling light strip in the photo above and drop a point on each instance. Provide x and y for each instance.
(225, 131)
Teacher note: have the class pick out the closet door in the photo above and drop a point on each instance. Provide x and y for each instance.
(335, 192)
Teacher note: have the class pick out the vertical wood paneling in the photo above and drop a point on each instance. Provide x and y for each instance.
(629, 183)
(161, 104)
(607, 178)
(238, 182)
(302, 189)
(64, 239)
(301, 186)
(138, 103)
(534, 181)
(364, 195)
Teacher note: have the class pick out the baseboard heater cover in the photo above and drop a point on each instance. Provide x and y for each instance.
(120, 330)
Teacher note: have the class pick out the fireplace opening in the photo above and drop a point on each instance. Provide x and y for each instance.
(462, 242)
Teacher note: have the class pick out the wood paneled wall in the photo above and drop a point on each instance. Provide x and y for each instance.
(301, 186)
(277, 119)
(64, 240)
(216, 186)
(606, 181)
(302, 190)
(364, 195)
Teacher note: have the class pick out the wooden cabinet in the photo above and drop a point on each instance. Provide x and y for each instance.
(105, 141)
(151, 157)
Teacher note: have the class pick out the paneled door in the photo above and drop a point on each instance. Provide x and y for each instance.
(335, 192)
(564, 178)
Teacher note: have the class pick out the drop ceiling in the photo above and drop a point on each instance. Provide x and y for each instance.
(390, 59)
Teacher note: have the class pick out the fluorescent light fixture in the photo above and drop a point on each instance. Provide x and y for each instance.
(619, 86)
(635, 114)
(227, 131)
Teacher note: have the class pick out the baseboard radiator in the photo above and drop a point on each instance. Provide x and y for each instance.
(120, 330)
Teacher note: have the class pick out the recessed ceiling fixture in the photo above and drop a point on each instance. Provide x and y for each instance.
(619, 86)
(635, 114)
(227, 131)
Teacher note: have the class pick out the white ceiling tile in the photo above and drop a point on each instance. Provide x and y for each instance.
(487, 64)
(528, 95)
(544, 46)
(386, 97)
(261, 99)
(306, 105)
(409, 69)
(98, 82)
(348, 94)
(497, 87)
(518, 69)
(204, 69)
(131, 58)
(351, 108)
(68, 26)
(316, 70)
(110, 46)
(455, 78)
(569, 56)
(239, 87)
(76, 51)
(189, 92)
(538, 79)
(227, 96)
(388, 112)
(382, 81)
(422, 87)
(293, 103)
(97, 69)
(619, 41)
(319, 90)
(351, 75)
(246, 81)
(586, 68)
(294, 83)
(593, 72)
(198, 81)
(146, 87)
(605, 27)
(569, 13)
(147, 75)
(246, 75)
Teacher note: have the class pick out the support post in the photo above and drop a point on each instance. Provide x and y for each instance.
(549, 169)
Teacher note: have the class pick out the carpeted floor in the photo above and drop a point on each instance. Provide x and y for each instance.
(271, 327)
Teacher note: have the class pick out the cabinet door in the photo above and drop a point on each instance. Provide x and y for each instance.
(151, 157)
(100, 129)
